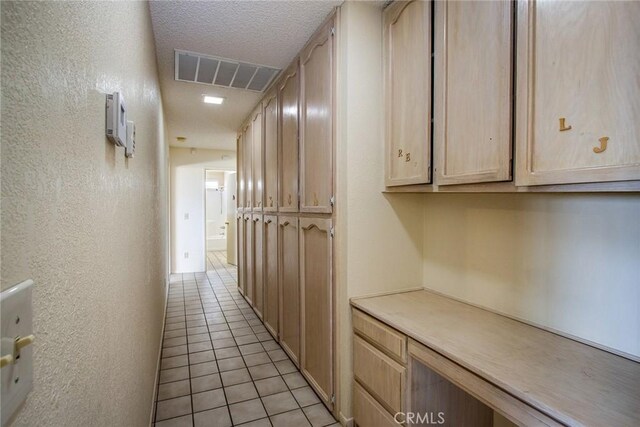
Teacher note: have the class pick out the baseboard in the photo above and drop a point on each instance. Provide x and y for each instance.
(346, 422)
(157, 376)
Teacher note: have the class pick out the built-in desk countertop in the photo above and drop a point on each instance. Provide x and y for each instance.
(571, 382)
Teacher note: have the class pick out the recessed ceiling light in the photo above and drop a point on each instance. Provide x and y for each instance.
(212, 99)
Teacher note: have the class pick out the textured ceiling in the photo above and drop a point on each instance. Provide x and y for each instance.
(263, 32)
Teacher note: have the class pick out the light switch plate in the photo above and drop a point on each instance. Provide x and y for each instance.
(17, 321)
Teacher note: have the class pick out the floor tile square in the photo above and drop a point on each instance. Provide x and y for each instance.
(174, 374)
(240, 392)
(305, 396)
(175, 333)
(199, 346)
(172, 342)
(279, 402)
(218, 417)
(250, 348)
(225, 353)
(224, 343)
(293, 418)
(235, 377)
(201, 356)
(277, 355)
(271, 385)
(247, 411)
(218, 327)
(247, 339)
(256, 359)
(262, 422)
(285, 366)
(318, 415)
(172, 408)
(173, 389)
(220, 335)
(197, 330)
(201, 369)
(192, 339)
(206, 382)
(184, 421)
(242, 332)
(270, 345)
(174, 362)
(208, 400)
(294, 380)
(263, 371)
(230, 364)
(264, 336)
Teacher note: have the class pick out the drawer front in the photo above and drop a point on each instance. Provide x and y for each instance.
(389, 340)
(379, 374)
(367, 412)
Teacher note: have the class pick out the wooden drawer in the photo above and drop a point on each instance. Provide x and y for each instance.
(379, 374)
(367, 412)
(389, 340)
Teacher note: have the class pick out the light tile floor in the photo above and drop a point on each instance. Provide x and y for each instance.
(220, 367)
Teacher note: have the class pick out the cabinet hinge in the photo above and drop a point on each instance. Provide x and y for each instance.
(332, 200)
(333, 398)
(333, 232)
(333, 31)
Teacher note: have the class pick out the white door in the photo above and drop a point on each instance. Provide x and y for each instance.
(232, 196)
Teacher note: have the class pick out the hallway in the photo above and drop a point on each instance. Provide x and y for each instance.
(220, 367)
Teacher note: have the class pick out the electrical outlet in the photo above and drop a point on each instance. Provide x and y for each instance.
(186, 254)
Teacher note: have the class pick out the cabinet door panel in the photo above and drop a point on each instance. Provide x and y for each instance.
(258, 259)
(317, 304)
(248, 258)
(473, 91)
(240, 173)
(288, 117)
(247, 154)
(316, 122)
(578, 92)
(271, 153)
(256, 161)
(289, 279)
(241, 252)
(407, 67)
(271, 295)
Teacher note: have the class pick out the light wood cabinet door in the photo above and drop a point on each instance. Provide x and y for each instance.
(289, 279)
(317, 121)
(473, 85)
(289, 94)
(316, 281)
(407, 87)
(240, 169)
(257, 158)
(241, 252)
(578, 92)
(248, 258)
(270, 111)
(271, 294)
(247, 154)
(258, 264)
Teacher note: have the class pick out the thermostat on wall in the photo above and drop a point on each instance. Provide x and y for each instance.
(131, 139)
(116, 119)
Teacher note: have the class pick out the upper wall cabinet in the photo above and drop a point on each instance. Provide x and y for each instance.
(246, 165)
(270, 111)
(472, 100)
(317, 80)
(578, 93)
(407, 83)
(288, 94)
(256, 144)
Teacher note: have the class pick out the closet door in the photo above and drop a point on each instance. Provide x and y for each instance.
(256, 161)
(472, 110)
(258, 264)
(248, 258)
(241, 252)
(270, 108)
(289, 280)
(247, 151)
(407, 84)
(271, 295)
(578, 92)
(316, 122)
(317, 304)
(288, 119)
(240, 173)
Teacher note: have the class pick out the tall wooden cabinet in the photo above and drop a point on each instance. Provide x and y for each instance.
(316, 260)
(578, 92)
(289, 280)
(257, 159)
(242, 263)
(248, 257)
(317, 80)
(289, 94)
(240, 171)
(407, 85)
(258, 263)
(270, 128)
(271, 288)
(247, 155)
(472, 99)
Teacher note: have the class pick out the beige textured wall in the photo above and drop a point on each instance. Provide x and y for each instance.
(568, 262)
(77, 217)
(378, 236)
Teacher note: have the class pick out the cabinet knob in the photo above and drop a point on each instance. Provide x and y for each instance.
(603, 145)
(400, 152)
(408, 157)
(289, 199)
(260, 203)
(563, 125)
(270, 201)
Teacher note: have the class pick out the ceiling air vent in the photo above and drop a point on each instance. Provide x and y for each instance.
(213, 70)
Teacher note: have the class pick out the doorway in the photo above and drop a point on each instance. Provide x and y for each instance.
(219, 209)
